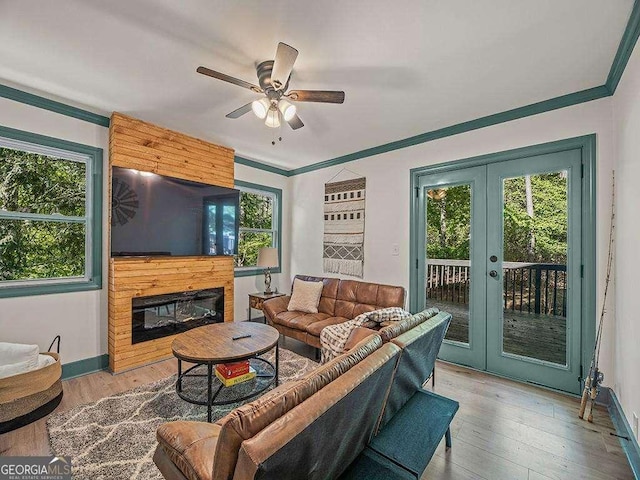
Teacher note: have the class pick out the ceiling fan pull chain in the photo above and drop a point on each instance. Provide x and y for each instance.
(273, 141)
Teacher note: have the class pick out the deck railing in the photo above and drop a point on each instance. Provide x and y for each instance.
(527, 287)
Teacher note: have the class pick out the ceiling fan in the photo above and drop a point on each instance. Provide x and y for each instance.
(273, 77)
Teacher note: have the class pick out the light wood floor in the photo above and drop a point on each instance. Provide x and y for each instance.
(503, 430)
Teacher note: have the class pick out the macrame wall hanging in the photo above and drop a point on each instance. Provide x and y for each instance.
(343, 243)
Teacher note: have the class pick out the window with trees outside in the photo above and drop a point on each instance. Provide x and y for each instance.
(50, 215)
(260, 225)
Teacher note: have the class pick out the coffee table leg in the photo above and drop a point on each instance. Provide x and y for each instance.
(209, 392)
(179, 375)
(277, 363)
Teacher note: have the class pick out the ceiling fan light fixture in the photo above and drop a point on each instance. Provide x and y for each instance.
(273, 118)
(287, 109)
(261, 107)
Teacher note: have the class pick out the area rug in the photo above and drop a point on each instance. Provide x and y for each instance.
(114, 438)
(343, 242)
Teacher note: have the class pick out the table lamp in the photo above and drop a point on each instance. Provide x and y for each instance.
(267, 258)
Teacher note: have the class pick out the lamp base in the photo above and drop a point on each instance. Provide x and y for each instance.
(267, 282)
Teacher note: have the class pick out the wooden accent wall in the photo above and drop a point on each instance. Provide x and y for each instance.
(144, 146)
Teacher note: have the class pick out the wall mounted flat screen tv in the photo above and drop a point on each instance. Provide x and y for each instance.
(155, 215)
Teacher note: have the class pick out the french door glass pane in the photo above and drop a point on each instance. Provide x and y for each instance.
(448, 282)
(535, 266)
(39, 249)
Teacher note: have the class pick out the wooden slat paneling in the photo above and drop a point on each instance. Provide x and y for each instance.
(144, 146)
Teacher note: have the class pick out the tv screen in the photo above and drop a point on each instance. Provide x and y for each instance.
(157, 215)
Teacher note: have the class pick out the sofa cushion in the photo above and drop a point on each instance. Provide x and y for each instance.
(273, 306)
(190, 446)
(316, 327)
(355, 298)
(299, 321)
(305, 296)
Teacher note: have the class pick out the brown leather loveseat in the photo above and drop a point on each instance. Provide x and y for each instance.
(341, 300)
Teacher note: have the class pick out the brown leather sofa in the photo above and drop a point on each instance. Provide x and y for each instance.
(279, 435)
(341, 300)
(314, 427)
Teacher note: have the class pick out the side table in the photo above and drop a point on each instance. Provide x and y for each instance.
(257, 299)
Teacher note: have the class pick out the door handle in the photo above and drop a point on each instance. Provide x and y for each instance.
(493, 273)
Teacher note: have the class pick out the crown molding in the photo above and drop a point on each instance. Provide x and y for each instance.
(262, 166)
(53, 106)
(625, 49)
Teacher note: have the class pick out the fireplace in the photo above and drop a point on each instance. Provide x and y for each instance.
(162, 315)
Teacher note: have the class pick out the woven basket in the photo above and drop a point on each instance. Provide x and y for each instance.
(29, 396)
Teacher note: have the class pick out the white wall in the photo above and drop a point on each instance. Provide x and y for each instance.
(626, 111)
(388, 180)
(80, 317)
(281, 281)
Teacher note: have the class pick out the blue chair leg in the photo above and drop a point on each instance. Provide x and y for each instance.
(447, 438)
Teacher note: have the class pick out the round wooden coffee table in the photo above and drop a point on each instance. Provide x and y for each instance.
(225, 343)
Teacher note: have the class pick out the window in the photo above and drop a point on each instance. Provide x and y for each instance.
(50, 215)
(260, 225)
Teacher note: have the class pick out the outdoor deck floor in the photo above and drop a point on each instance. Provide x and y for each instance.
(536, 336)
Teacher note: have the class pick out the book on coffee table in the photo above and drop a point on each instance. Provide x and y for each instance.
(229, 370)
(229, 382)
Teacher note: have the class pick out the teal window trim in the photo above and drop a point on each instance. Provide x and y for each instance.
(253, 271)
(587, 145)
(93, 273)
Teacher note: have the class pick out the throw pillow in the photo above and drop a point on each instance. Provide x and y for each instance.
(11, 353)
(305, 297)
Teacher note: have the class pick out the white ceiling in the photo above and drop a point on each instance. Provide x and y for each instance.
(407, 67)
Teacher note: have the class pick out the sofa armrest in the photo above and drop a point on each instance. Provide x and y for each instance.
(190, 446)
(274, 306)
(358, 334)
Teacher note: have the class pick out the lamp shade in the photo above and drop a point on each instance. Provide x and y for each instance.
(268, 257)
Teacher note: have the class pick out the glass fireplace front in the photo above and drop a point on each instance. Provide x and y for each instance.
(162, 315)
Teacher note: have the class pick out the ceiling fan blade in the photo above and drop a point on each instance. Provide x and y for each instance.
(282, 65)
(322, 96)
(227, 78)
(240, 111)
(295, 123)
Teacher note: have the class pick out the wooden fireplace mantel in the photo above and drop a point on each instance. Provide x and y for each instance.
(147, 147)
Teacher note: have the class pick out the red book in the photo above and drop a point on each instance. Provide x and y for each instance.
(230, 370)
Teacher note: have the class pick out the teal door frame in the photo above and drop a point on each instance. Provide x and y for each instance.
(471, 354)
(587, 146)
